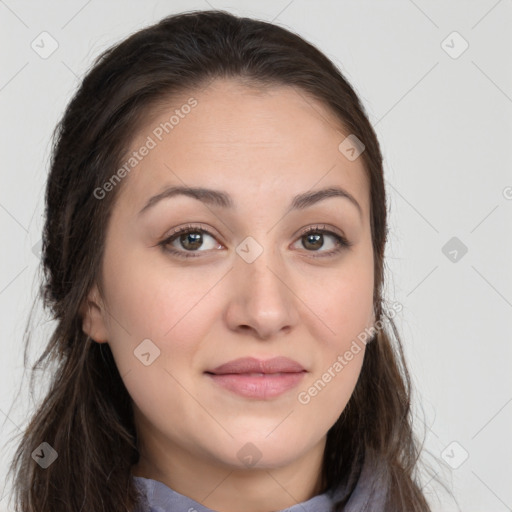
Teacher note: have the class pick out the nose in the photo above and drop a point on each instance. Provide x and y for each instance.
(262, 299)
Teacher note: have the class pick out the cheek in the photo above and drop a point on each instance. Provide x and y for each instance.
(343, 300)
(346, 313)
(145, 295)
(325, 396)
(165, 304)
(345, 305)
(175, 310)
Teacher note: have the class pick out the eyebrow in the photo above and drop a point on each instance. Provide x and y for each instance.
(224, 200)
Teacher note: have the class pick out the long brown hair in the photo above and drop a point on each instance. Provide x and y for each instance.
(86, 415)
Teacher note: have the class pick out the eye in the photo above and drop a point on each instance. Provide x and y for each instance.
(190, 239)
(323, 241)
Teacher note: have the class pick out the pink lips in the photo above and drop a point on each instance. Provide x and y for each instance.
(254, 378)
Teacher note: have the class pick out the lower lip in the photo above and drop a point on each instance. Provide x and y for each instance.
(254, 386)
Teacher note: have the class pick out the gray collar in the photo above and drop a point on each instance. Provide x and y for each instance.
(161, 498)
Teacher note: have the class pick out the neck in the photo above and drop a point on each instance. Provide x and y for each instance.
(231, 489)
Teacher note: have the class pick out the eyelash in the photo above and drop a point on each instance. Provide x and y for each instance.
(341, 241)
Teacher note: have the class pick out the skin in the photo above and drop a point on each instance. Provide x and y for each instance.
(262, 147)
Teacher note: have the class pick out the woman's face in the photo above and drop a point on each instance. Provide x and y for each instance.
(244, 281)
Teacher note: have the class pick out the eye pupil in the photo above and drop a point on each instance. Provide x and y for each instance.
(195, 239)
(314, 241)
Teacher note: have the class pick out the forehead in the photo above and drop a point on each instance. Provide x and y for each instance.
(273, 141)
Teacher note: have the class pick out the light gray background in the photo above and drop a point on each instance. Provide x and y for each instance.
(445, 128)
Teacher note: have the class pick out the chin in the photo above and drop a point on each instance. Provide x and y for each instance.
(260, 452)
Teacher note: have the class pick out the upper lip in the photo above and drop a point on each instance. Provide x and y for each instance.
(253, 365)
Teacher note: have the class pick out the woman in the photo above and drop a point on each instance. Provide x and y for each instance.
(213, 255)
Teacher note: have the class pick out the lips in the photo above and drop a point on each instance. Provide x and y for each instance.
(251, 365)
(258, 379)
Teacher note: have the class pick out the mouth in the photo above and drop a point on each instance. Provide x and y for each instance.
(258, 379)
(252, 365)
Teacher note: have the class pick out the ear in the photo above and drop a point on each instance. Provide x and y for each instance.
(93, 317)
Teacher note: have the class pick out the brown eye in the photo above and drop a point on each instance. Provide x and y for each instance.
(190, 241)
(313, 242)
(319, 240)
